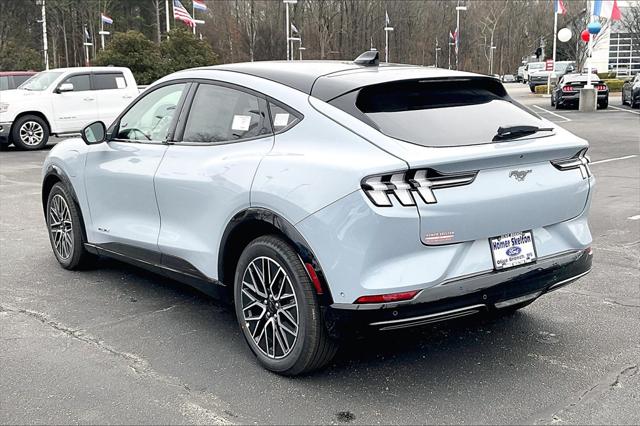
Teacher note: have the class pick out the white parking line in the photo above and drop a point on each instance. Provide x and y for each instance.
(552, 113)
(608, 160)
(636, 217)
(625, 110)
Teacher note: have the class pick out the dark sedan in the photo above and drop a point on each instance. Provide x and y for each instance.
(567, 92)
(12, 79)
(631, 92)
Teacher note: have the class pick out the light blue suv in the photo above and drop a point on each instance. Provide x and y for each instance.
(325, 198)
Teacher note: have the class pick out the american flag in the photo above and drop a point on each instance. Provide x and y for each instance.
(181, 14)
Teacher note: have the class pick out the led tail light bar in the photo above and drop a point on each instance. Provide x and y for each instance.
(408, 187)
(579, 161)
(601, 87)
(567, 89)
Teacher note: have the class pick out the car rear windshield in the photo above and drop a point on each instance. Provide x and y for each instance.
(442, 112)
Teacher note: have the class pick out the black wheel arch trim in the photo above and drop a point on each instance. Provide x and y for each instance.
(54, 171)
(301, 246)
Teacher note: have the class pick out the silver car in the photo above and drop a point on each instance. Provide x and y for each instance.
(325, 198)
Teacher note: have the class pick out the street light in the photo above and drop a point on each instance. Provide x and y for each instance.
(458, 10)
(287, 3)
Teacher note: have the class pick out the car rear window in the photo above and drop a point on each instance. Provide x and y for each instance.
(442, 112)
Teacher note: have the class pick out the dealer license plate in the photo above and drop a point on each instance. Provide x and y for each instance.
(512, 249)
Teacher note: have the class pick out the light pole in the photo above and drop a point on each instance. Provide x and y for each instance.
(45, 49)
(493, 48)
(300, 49)
(458, 10)
(437, 48)
(387, 30)
(289, 52)
(449, 54)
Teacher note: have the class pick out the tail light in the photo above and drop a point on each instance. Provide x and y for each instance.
(386, 298)
(601, 87)
(580, 161)
(407, 187)
(567, 89)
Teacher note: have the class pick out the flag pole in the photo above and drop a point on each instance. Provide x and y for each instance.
(45, 49)
(166, 8)
(555, 39)
(193, 11)
(101, 32)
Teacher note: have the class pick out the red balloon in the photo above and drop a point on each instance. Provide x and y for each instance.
(584, 35)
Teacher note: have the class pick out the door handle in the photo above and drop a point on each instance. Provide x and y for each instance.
(89, 99)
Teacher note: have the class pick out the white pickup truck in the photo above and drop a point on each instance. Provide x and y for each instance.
(61, 102)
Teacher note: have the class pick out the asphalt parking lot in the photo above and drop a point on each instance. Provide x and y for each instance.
(119, 345)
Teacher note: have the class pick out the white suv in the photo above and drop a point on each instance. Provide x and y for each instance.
(63, 101)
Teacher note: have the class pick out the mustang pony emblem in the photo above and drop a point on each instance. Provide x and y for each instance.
(519, 174)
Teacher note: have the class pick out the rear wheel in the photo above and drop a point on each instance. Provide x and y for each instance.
(603, 105)
(532, 88)
(65, 229)
(30, 132)
(624, 101)
(277, 309)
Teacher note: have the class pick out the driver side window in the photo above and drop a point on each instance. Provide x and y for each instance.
(150, 118)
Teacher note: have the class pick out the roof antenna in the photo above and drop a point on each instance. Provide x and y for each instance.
(369, 58)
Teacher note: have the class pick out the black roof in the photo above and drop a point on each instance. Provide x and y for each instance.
(326, 80)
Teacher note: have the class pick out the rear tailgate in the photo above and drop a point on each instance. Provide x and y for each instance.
(444, 131)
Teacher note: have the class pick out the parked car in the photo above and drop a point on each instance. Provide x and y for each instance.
(520, 74)
(631, 92)
(12, 79)
(329, 197)
(567, 91)
(541, 77)
(62, 101)
(508, 78)
(530, 68)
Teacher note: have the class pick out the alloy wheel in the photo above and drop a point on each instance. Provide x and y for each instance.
(31, 133)
(269, 307)
(61, 227)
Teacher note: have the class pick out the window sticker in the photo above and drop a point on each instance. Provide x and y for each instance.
(120, 82)
(281, 120)
(241, 122)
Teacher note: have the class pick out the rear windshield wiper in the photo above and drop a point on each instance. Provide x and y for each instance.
(513, 132)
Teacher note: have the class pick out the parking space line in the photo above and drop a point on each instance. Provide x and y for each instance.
(613, 159)
(625, 110)
(552, 113)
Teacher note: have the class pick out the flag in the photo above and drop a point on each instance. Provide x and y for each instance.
(199, 4)
(606, 9)
(181, 14)
(105, 19)
(559, 7)
(294, 30)
(87, 36)
(387, 21)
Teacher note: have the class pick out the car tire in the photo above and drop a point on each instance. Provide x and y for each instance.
(299, 340)
(624, 102)
(532, 88)
(553, 103)
(603, 105)
(30, 132)
(65, 228)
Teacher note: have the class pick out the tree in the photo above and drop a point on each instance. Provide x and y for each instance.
(14, 58)
(133, 50)
(182, 50)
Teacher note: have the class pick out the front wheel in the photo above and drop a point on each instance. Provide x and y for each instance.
(65, 229)
(277, 309)
(30, 132)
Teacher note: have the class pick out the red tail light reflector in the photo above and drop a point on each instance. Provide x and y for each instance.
(391, 297)
(567, 89)
(601, 87)
(314, 278)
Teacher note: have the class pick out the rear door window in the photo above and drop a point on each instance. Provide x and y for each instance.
(4, 83)
(442, 113)
(109, 81)
(221, 114)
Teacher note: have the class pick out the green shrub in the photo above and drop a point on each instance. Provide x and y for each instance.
(615, 85)
(541, 90)
(607, 75)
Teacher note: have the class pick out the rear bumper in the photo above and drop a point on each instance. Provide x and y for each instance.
(574, 98)
(465, 296)
(5, 130)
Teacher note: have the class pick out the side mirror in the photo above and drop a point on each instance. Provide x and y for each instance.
(65, 87)
(94, 133)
